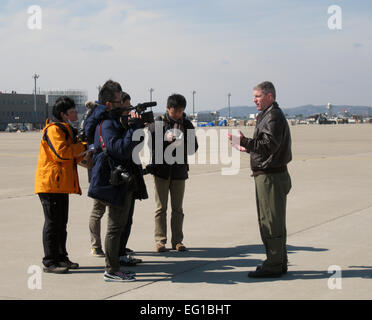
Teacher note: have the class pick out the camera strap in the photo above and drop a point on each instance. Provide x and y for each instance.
(46, 138)
(103, 146)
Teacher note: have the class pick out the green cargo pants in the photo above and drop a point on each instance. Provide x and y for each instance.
(176, 188)
(271, 199)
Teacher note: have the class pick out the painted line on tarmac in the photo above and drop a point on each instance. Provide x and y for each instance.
(18, 155)
(175, 274)
(333, 158)
(235, 253)
(329, 221)
(17, 197)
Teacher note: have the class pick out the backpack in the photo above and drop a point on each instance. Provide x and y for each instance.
(81, 132)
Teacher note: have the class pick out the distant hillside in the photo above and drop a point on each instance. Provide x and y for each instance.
(238, 112)
(307, 110)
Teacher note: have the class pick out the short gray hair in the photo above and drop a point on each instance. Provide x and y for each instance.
(266, 87)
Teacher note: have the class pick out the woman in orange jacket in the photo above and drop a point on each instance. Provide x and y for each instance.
(56, 177)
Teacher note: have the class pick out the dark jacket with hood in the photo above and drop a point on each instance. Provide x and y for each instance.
(270, 148)
(119, 148)
(92, 117)
(179, 169)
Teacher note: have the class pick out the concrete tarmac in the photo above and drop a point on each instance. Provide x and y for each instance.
(329, 220)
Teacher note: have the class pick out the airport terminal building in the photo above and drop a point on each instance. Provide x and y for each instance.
(20, 108)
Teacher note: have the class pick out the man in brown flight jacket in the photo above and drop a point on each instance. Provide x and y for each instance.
(270, 151)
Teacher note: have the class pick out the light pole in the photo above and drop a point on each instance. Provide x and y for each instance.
(35, 76)
(151, 91)
(193, 104)
(229, 97)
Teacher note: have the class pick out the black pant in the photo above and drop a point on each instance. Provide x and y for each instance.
(55, 207)
(126, 232)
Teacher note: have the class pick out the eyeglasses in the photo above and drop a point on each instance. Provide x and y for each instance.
(116, 101)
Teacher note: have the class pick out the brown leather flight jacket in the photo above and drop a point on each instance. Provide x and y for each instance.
(270, 148)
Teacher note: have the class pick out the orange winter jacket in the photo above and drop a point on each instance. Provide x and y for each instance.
(56, 167)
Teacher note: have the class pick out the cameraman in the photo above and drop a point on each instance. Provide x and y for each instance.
(99, 207)
(113, 148)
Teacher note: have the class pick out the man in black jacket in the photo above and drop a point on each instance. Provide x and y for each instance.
(170, 168)
(270, 150)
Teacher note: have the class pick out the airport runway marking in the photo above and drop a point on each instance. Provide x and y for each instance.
(330, 220)
(334, 158)
(19, 155)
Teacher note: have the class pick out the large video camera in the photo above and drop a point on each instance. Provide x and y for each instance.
(145, 117)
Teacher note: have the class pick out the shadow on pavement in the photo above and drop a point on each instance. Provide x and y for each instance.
(364, 273)
(208, 253)
(208, 265)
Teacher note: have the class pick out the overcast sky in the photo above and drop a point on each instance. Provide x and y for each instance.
(211, 46)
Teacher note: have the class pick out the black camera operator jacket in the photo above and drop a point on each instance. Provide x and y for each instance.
(176, 171)
(270, 148)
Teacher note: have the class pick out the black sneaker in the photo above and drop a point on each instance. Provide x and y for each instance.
(97, 252)
(118, 277)
(68, 264)
(129, 261)
(55, 269)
